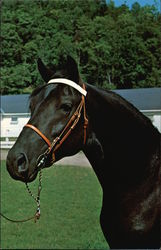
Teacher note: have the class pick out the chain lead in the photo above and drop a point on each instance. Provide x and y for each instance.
(37, 199)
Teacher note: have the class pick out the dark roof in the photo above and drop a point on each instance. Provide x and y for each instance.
(15, 104)
(143, 99)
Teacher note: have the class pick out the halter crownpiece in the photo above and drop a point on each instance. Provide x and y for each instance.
(69, 83)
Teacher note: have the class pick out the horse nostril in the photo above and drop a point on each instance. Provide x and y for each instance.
(22, 163)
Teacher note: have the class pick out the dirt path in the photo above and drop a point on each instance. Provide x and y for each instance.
(76, 160)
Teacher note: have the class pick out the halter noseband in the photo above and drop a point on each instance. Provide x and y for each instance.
(57, 142)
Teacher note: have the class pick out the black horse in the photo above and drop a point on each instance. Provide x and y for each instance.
(121, 144)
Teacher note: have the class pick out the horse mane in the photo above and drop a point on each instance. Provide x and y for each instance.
(58, 74)
(122, 106)
(37, 90)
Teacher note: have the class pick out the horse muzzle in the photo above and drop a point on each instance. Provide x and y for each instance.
(18, 167)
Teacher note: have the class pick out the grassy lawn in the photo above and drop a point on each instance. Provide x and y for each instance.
(70, 208)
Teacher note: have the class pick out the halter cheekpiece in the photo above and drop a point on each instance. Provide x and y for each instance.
(57, 142)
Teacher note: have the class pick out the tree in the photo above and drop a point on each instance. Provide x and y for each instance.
(115, 47)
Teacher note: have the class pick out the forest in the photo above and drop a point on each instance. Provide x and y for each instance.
(115, 47)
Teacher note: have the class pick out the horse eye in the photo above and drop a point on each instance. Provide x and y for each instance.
(66, 107)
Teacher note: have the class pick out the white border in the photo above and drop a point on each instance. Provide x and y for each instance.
(70, 83)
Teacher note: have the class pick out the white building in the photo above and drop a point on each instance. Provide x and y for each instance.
(15, 111)
(14, 115)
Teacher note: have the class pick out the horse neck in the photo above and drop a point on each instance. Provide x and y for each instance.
(122, 142)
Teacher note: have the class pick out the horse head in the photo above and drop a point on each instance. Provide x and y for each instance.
(56, 123)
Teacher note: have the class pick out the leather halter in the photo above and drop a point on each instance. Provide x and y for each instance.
(57, 142)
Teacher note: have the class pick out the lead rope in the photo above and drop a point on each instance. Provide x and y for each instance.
(37, 199)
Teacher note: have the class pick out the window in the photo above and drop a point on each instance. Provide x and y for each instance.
(14, 120)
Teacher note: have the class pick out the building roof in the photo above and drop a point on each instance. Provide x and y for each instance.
(11, 104)
(144, 99)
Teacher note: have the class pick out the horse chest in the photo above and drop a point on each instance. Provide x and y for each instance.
(135, 222)
(139, 216)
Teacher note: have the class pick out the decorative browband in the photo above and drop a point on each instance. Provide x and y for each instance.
(70, 83)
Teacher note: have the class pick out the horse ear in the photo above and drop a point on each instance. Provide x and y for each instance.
(44, 71)
(72, 69)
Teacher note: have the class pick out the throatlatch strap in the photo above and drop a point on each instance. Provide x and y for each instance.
(85, 118)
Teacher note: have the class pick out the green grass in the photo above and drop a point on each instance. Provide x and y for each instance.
(70, 207)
